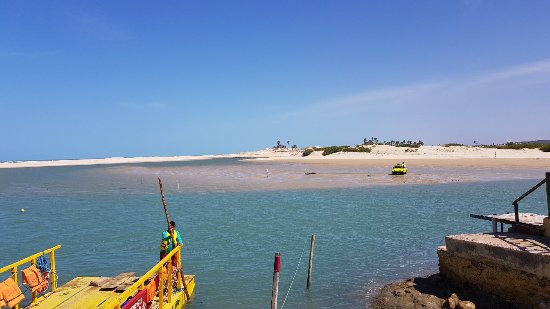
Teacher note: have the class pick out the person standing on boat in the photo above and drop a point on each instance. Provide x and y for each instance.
(167, 245)
(167, 242)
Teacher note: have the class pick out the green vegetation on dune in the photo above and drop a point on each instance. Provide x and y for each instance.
(334, 149)
(403, 143)
(413, 145)
(522, 145)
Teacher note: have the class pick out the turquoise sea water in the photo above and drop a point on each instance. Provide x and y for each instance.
(108, 220)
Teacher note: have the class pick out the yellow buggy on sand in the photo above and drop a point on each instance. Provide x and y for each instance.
(399, 169)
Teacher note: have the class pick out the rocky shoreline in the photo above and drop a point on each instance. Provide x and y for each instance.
(435, 291)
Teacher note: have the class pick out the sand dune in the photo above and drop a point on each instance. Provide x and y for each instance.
(459, 156)
(424, 152)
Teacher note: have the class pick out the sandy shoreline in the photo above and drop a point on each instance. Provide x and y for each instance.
(425, 156)
(114, 160)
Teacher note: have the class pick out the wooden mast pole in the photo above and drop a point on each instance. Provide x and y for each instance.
(173, 238)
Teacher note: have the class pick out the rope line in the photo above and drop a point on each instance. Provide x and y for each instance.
(295, 272)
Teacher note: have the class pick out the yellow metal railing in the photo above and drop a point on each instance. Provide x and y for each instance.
(32, 259)
(140, 284)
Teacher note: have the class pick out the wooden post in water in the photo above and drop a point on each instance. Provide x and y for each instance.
(516, 212)
(548, 191)
(275, 290)
(310, 261)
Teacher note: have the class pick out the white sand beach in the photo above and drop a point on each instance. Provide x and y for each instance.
(380, 155)
(113, 160)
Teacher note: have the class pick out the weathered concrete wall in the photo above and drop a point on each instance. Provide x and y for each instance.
(518, 251)
(502, 277)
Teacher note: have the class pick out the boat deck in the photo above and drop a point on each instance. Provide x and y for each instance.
(509, 218)
(529, 223)
(95, 292)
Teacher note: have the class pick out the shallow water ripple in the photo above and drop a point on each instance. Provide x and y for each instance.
(109, 220)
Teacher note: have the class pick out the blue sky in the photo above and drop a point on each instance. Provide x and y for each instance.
(90, 79)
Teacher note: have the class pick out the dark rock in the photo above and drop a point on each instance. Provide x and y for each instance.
(464, 304)
(435, 292)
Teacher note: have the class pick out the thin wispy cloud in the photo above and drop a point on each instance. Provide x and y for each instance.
(525, 70)
(341, 107)
(385, 96)
(413, 94)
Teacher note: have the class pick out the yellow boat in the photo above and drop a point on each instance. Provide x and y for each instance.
(122, 291)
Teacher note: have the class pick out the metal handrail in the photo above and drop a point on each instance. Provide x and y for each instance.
(515, 203)
(529, 192)
(140, 284)
(32, 259)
